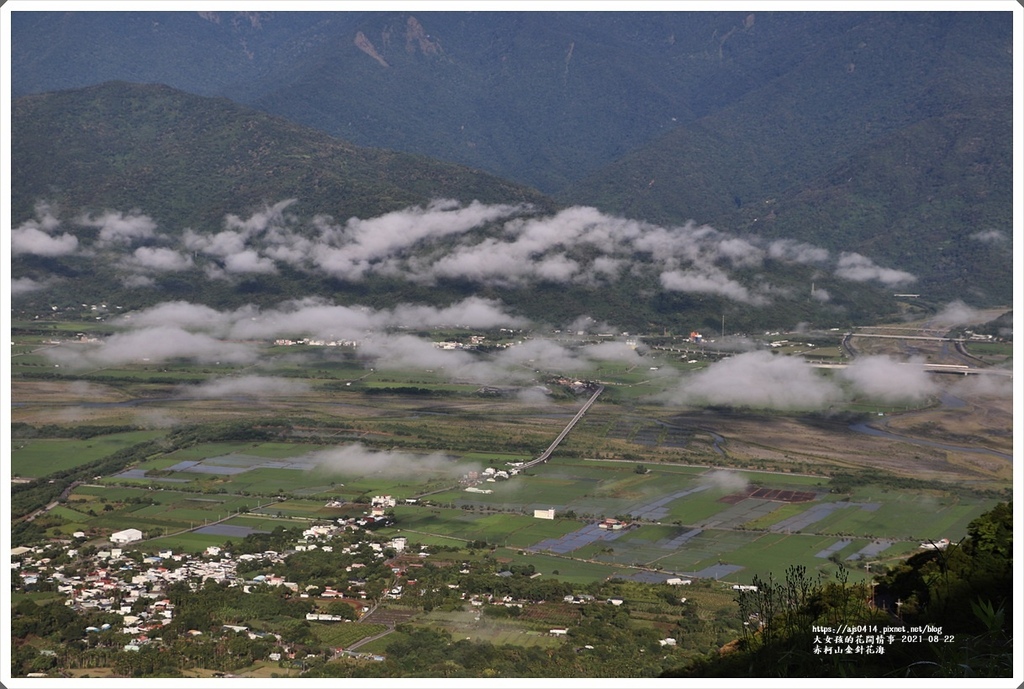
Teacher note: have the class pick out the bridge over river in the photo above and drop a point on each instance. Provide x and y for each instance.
(546, 454)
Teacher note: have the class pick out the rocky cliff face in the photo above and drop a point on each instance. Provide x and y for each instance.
(364, 44)
(417, 39)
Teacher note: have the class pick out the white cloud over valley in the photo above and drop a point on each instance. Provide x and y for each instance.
(501, 245)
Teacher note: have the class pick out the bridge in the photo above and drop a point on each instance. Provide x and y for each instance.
(933, 338)
(961, 369)
(546, 454)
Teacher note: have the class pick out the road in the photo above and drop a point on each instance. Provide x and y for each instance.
(60, 498)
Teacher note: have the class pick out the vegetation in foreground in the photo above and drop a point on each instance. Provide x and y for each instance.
(960, 597)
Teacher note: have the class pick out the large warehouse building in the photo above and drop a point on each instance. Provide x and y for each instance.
(126, 536)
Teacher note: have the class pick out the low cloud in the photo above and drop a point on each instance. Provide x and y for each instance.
(761, 379)
(958, 313)
(156, 344)
(377, 334)
(247, 386)
(36, 235)
(24, 285)
(988, 386)
(612, 351)
(797, 252)
(544, 355)
(535, 397)
(725, 481)
(497, 245)
(990, 237)
(160, 259)
(857, 268)
(357, 460)
(315, 317)
(757, 379)
(119, 228)
(472, 312)
(179, 314)
(709, 281)
(888, 380)
(31, 239)
(248, 261)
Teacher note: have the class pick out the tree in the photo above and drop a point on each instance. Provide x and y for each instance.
(342, 609)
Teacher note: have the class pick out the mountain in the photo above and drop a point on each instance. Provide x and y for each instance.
(545, 98)
(189, 160)
(890, 139)
(539, 97)
(135, 194)
(884, 134)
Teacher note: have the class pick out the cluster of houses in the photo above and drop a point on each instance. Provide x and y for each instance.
(576, 387)
(315, 342)
(474, 342)
(115, 582)
(611, 524)
(136, 588)
(473, 479)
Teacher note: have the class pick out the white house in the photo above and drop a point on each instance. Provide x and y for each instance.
(544, 514)
(384, 501)
(126, 536)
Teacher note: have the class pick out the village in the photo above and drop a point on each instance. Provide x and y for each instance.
(127, 598)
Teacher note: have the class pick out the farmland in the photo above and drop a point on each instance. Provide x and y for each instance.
(718, 493)
(638, 494)
(37, 457)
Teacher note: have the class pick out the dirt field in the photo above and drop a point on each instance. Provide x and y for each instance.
(801, 443)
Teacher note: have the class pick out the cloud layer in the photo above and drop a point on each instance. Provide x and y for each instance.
(764, 380)
(503, 245)
(357, 460)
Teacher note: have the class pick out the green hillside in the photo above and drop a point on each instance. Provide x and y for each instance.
(189, 160)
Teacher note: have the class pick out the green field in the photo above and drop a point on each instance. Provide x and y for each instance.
(343, 634)
(35, 458)
(594, 474)
(184, 543)
(571, 570)
(736, 533)
(472, 624)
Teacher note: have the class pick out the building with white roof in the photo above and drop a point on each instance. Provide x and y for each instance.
(126, 536)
